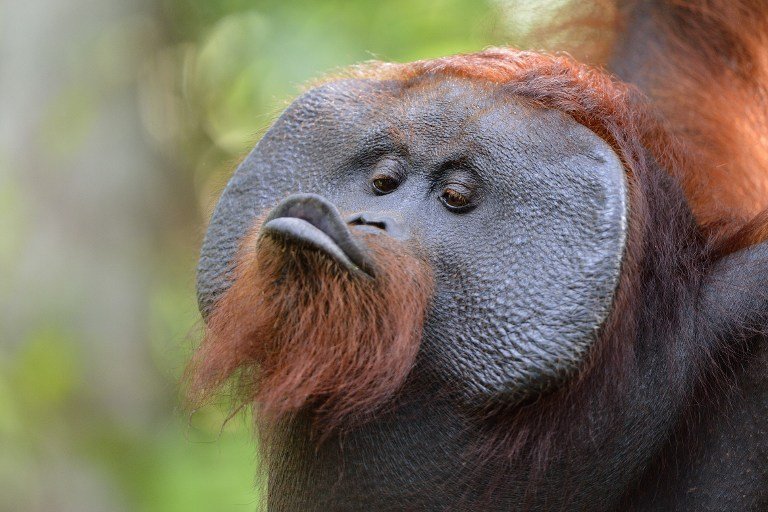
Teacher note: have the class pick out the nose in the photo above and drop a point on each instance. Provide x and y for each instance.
(376, 223)
(311, 221)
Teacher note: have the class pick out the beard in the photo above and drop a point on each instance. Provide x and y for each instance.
(297, 333)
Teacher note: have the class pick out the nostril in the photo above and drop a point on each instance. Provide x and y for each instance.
(362, 219)
(373, 220)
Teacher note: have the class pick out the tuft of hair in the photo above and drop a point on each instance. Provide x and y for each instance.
(296, 332)
(704, 64)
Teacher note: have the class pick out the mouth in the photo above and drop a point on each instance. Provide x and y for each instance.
(310, 221)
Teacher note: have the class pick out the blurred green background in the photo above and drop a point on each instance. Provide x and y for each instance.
(120, 122)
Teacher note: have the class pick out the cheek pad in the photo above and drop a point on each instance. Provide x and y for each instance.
(517, 318)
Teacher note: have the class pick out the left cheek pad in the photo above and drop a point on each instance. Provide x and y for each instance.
(517, 310)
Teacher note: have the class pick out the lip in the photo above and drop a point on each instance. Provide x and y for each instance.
(312, 221)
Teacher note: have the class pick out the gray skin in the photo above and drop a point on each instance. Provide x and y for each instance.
(525, 278)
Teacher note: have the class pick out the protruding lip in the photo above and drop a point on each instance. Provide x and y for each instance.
(312, 221)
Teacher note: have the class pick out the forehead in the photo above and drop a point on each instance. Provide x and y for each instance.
(445, 119)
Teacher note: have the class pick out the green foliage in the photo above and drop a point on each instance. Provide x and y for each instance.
(181, 469)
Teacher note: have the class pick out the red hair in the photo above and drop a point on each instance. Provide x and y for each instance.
(295, 330)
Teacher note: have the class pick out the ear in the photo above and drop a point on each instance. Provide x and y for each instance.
(734, 298)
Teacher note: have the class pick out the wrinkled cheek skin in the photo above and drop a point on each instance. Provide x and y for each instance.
(295, 332)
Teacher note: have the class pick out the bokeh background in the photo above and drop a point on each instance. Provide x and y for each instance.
(120, 122)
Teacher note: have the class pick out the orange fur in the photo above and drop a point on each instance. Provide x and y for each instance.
(297, 330)
(704, 65)
(709, 79)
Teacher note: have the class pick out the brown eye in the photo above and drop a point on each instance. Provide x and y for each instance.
(455, 200)
(384, 184)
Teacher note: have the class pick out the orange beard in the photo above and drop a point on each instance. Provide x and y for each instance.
(296, 332)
